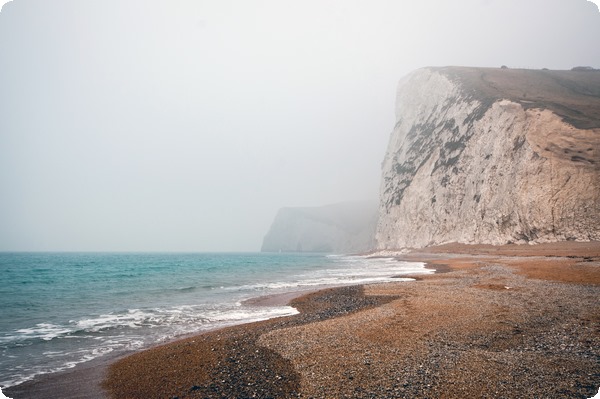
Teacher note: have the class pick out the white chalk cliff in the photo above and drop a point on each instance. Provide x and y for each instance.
(339, 228)
(493, 156)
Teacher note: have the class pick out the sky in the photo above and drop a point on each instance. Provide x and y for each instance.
(143, 125)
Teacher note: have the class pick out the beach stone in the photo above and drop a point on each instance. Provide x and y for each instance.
(448, 335)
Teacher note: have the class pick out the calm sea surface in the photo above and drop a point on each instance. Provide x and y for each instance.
(61, 309)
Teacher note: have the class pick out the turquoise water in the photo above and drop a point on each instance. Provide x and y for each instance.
(61, 309)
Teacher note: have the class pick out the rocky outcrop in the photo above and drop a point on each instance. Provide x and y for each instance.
(492, 156)
(340, 228)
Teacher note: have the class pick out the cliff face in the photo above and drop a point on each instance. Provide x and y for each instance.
(340, 228)
(492, 156)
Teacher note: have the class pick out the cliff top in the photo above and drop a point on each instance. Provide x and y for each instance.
(573, 95)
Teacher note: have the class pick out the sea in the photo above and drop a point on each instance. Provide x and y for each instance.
(58, 310)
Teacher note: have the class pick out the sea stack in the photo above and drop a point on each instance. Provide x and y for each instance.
(492, 156)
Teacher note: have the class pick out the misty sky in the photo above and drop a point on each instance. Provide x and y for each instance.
(185, 125)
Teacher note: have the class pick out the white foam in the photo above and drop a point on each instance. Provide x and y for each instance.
(347, 270)
(136, 328)
(45, 331)
(253, 314)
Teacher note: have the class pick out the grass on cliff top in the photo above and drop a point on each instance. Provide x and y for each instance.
(573, 95)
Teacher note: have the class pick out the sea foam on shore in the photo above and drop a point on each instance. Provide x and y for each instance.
(60, 310)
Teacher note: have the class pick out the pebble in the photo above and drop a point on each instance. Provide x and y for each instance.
(444, 336)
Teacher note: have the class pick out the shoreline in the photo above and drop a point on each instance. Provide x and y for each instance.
(326, 313)
(61, 380)
(76, 382)
(66, 383)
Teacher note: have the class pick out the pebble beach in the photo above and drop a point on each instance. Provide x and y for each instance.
(492, 322)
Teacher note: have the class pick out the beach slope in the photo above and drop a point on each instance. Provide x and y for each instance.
(509, 321)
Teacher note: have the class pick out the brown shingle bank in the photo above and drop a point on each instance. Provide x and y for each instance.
(503, 323)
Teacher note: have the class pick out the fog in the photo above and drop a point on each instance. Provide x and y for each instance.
(185, 125)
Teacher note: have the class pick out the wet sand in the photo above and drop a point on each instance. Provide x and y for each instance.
(510, 322)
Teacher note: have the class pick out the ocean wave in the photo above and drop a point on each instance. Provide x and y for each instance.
(350, 270)
(186, 289)
(117, 332)
(190, 302)
(333, 281)
(195, 316)
(41, 331)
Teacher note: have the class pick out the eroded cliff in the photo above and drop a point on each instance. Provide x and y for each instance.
(339, 228)
(481, 155)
